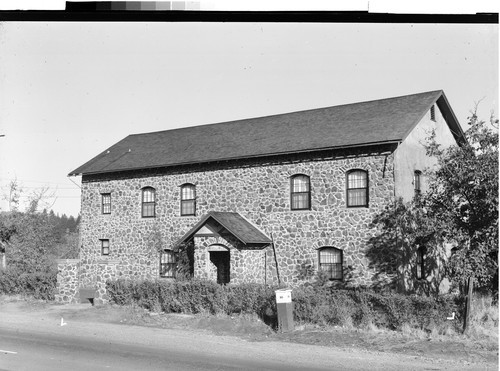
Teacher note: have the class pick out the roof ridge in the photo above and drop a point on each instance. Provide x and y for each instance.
(283, 114)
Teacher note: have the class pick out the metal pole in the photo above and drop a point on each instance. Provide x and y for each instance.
(468, 305)
(276, 261)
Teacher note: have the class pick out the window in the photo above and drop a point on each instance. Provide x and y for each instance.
(188, 200)
(330, 262)
(420, 263)
(105, 247)
(148, 202)
(417, 175)
(433, 113)
(357, 188)
(106, 203)
(167, 263)
(300, 193)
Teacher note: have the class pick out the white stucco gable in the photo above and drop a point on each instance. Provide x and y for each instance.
(410, 155)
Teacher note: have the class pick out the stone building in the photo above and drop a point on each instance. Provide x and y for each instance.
(256, 200)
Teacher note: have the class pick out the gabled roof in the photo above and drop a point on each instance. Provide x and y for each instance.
(359, 124)
(234, 223)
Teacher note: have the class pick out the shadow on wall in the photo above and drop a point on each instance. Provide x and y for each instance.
(307, 272)
(185, 262)
(407, 254)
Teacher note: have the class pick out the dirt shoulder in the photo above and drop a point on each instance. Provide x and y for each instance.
(454, 350)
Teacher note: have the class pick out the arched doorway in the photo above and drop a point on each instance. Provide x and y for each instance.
(221, 259)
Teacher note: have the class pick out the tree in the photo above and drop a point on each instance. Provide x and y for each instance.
(464, 193)
(404, 228)
(29, 248)
(460, 208)
(14, 195)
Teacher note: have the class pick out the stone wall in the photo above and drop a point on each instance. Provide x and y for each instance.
(247, 264)
(67, 281)
(258, 189)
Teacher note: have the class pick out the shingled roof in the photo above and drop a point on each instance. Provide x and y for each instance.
(367, 123)
(232, 222)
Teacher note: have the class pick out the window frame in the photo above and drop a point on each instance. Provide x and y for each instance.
(145, 204)
(105, 241)
(105, 206)
(172, 261)
(293, 193)
(188, 200)
(417, 182)
(367, 193)
(335, 267)
(433, 113)
(420, 263)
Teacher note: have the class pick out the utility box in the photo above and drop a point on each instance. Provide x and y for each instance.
(87, 294)
(285, 310)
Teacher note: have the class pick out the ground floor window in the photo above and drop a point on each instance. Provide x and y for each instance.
(420, 263)
(167, 264)
(330, 262)
(105, 247)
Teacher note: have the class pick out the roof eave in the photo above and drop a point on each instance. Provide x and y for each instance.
(451, 119)
(78, 172)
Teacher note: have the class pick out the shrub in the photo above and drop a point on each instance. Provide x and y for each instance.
(39, 285)
(315, 304)
(194, 296)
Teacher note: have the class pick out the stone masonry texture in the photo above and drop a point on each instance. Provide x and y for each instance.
(258, 189)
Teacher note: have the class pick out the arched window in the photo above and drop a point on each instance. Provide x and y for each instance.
(188, 199)
(357, 188)
(148, 202)
(300, 192)
(417, 176)
(421, 263)
(330, 262)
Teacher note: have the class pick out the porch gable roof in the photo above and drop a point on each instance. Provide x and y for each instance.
(234, 223)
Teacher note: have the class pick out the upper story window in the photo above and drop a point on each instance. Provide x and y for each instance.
(421, 263)
(417, 184)
(106, 203)
(188, 200)
(330, 262)
(300, 193)
(148, 202)
(167, 264)
(104, 247)
(433, 113)
(357, 188)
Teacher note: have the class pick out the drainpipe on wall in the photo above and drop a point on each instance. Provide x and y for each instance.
(276, 260)
(401, 279)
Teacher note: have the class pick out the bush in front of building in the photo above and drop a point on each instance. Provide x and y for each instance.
(39, 285)
(359, 308)
(314, 304)
(194, 296)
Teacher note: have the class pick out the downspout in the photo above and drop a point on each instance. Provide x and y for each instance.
(400, 283)
(276, 260)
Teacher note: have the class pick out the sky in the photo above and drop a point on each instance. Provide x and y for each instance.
(68, 91)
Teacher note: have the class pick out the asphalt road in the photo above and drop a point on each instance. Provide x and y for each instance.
(56, 352)
(36, 341)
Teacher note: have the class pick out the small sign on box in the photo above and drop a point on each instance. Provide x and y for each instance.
(283, 296)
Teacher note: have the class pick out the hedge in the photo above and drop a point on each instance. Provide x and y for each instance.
(39, 285)
(312, 304)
